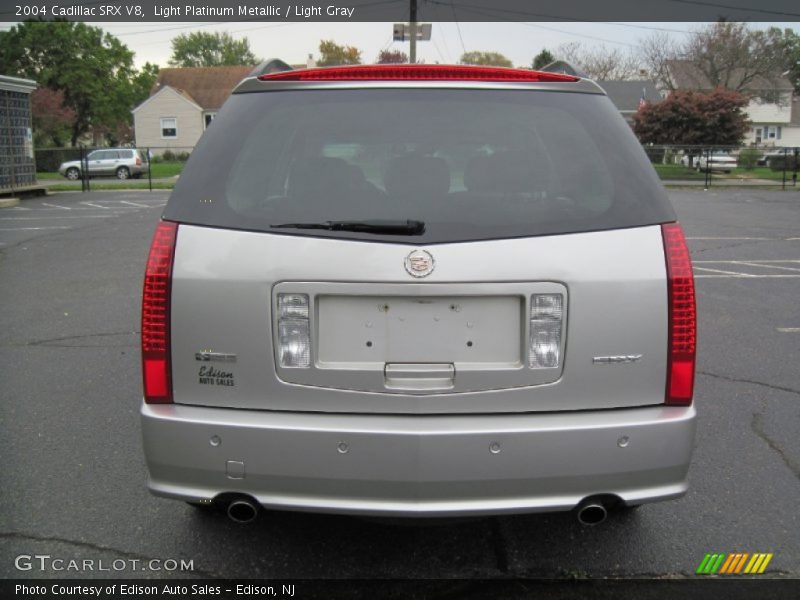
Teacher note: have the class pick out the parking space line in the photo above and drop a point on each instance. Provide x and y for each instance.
(31, 228)
(734, 238)
(56, 206)
(766, 266)
(95, 205)
(755, 260)
(127, 208)
(50, 218)
(134, 204)
(788, 329)
(747, 276)
(726, 273)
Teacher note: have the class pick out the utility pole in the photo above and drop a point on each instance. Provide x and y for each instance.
(412, 22)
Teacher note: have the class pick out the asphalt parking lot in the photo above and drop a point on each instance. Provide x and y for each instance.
(73, 476)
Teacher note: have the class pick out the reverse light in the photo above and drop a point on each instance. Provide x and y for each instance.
(156, 368)
(294, 332)
(682, 317)
(416, 72)
(546, 318)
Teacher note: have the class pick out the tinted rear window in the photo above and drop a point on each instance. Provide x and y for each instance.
(470, 164)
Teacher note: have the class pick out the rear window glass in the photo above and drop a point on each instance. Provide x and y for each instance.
(470, 164)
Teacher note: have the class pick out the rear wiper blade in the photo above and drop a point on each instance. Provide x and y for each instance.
(387, 227)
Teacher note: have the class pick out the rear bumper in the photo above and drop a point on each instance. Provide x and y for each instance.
(418, 465)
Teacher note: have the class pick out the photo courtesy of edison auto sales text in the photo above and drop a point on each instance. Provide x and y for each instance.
(123, 589)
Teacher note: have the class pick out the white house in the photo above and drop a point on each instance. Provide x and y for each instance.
(773, 111)
(182, 104)
(626, 95)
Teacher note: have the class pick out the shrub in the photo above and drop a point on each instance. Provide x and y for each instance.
(168, 155)
(655, 154)
(182, 156)
(790, 162)
(748, 158)
(49, 159)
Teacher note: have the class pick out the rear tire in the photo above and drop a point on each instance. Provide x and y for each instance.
(73, 174)
(123, 173)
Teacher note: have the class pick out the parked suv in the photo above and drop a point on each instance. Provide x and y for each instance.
(121, 163)
(718, 161)
(416, 291)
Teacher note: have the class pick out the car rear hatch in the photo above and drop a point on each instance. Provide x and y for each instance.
(405, 248)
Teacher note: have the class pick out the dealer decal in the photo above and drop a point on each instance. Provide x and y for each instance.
(213, 376)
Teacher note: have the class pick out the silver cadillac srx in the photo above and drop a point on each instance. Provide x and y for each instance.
(418, 290)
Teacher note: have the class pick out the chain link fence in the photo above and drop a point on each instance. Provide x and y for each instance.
(154, 167)
(160, 167)
(708, 166)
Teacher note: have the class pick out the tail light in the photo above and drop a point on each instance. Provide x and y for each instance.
(138, 162)
(417, 72)
(156, 369)
(545, 337)
(682, 317)
(294, 331)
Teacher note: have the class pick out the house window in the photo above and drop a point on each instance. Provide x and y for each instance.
(773, 132)
(208, 117)
(169, 127)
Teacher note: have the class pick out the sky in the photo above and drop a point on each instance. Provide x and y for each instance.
(293, 42)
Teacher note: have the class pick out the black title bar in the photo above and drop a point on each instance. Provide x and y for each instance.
(398, 10)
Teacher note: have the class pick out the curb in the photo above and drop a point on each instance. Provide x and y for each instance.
(9, 202)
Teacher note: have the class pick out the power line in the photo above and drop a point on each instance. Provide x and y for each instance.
(490, 12)
(748, 9)
(446, 47)
(581, 35)
(455, 18)
(650, 28)
(435, 45)
(476, 8)
(271, 26)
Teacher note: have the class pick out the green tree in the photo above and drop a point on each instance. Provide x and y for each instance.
(332, 54)
(688, 118)
(542, 59)
(729, 55)
(392, 57)
(142, 82)
(494, 59)
(52, 121)
(787, 45)
(207, 49)
(92, 69)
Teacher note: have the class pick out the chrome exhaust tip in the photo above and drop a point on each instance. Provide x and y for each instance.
(592, 513)
(242, 510)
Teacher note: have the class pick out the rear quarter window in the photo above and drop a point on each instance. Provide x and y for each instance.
(471, 164)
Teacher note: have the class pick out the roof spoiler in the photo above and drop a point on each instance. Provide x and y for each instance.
(272, 65)
(562, 66)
